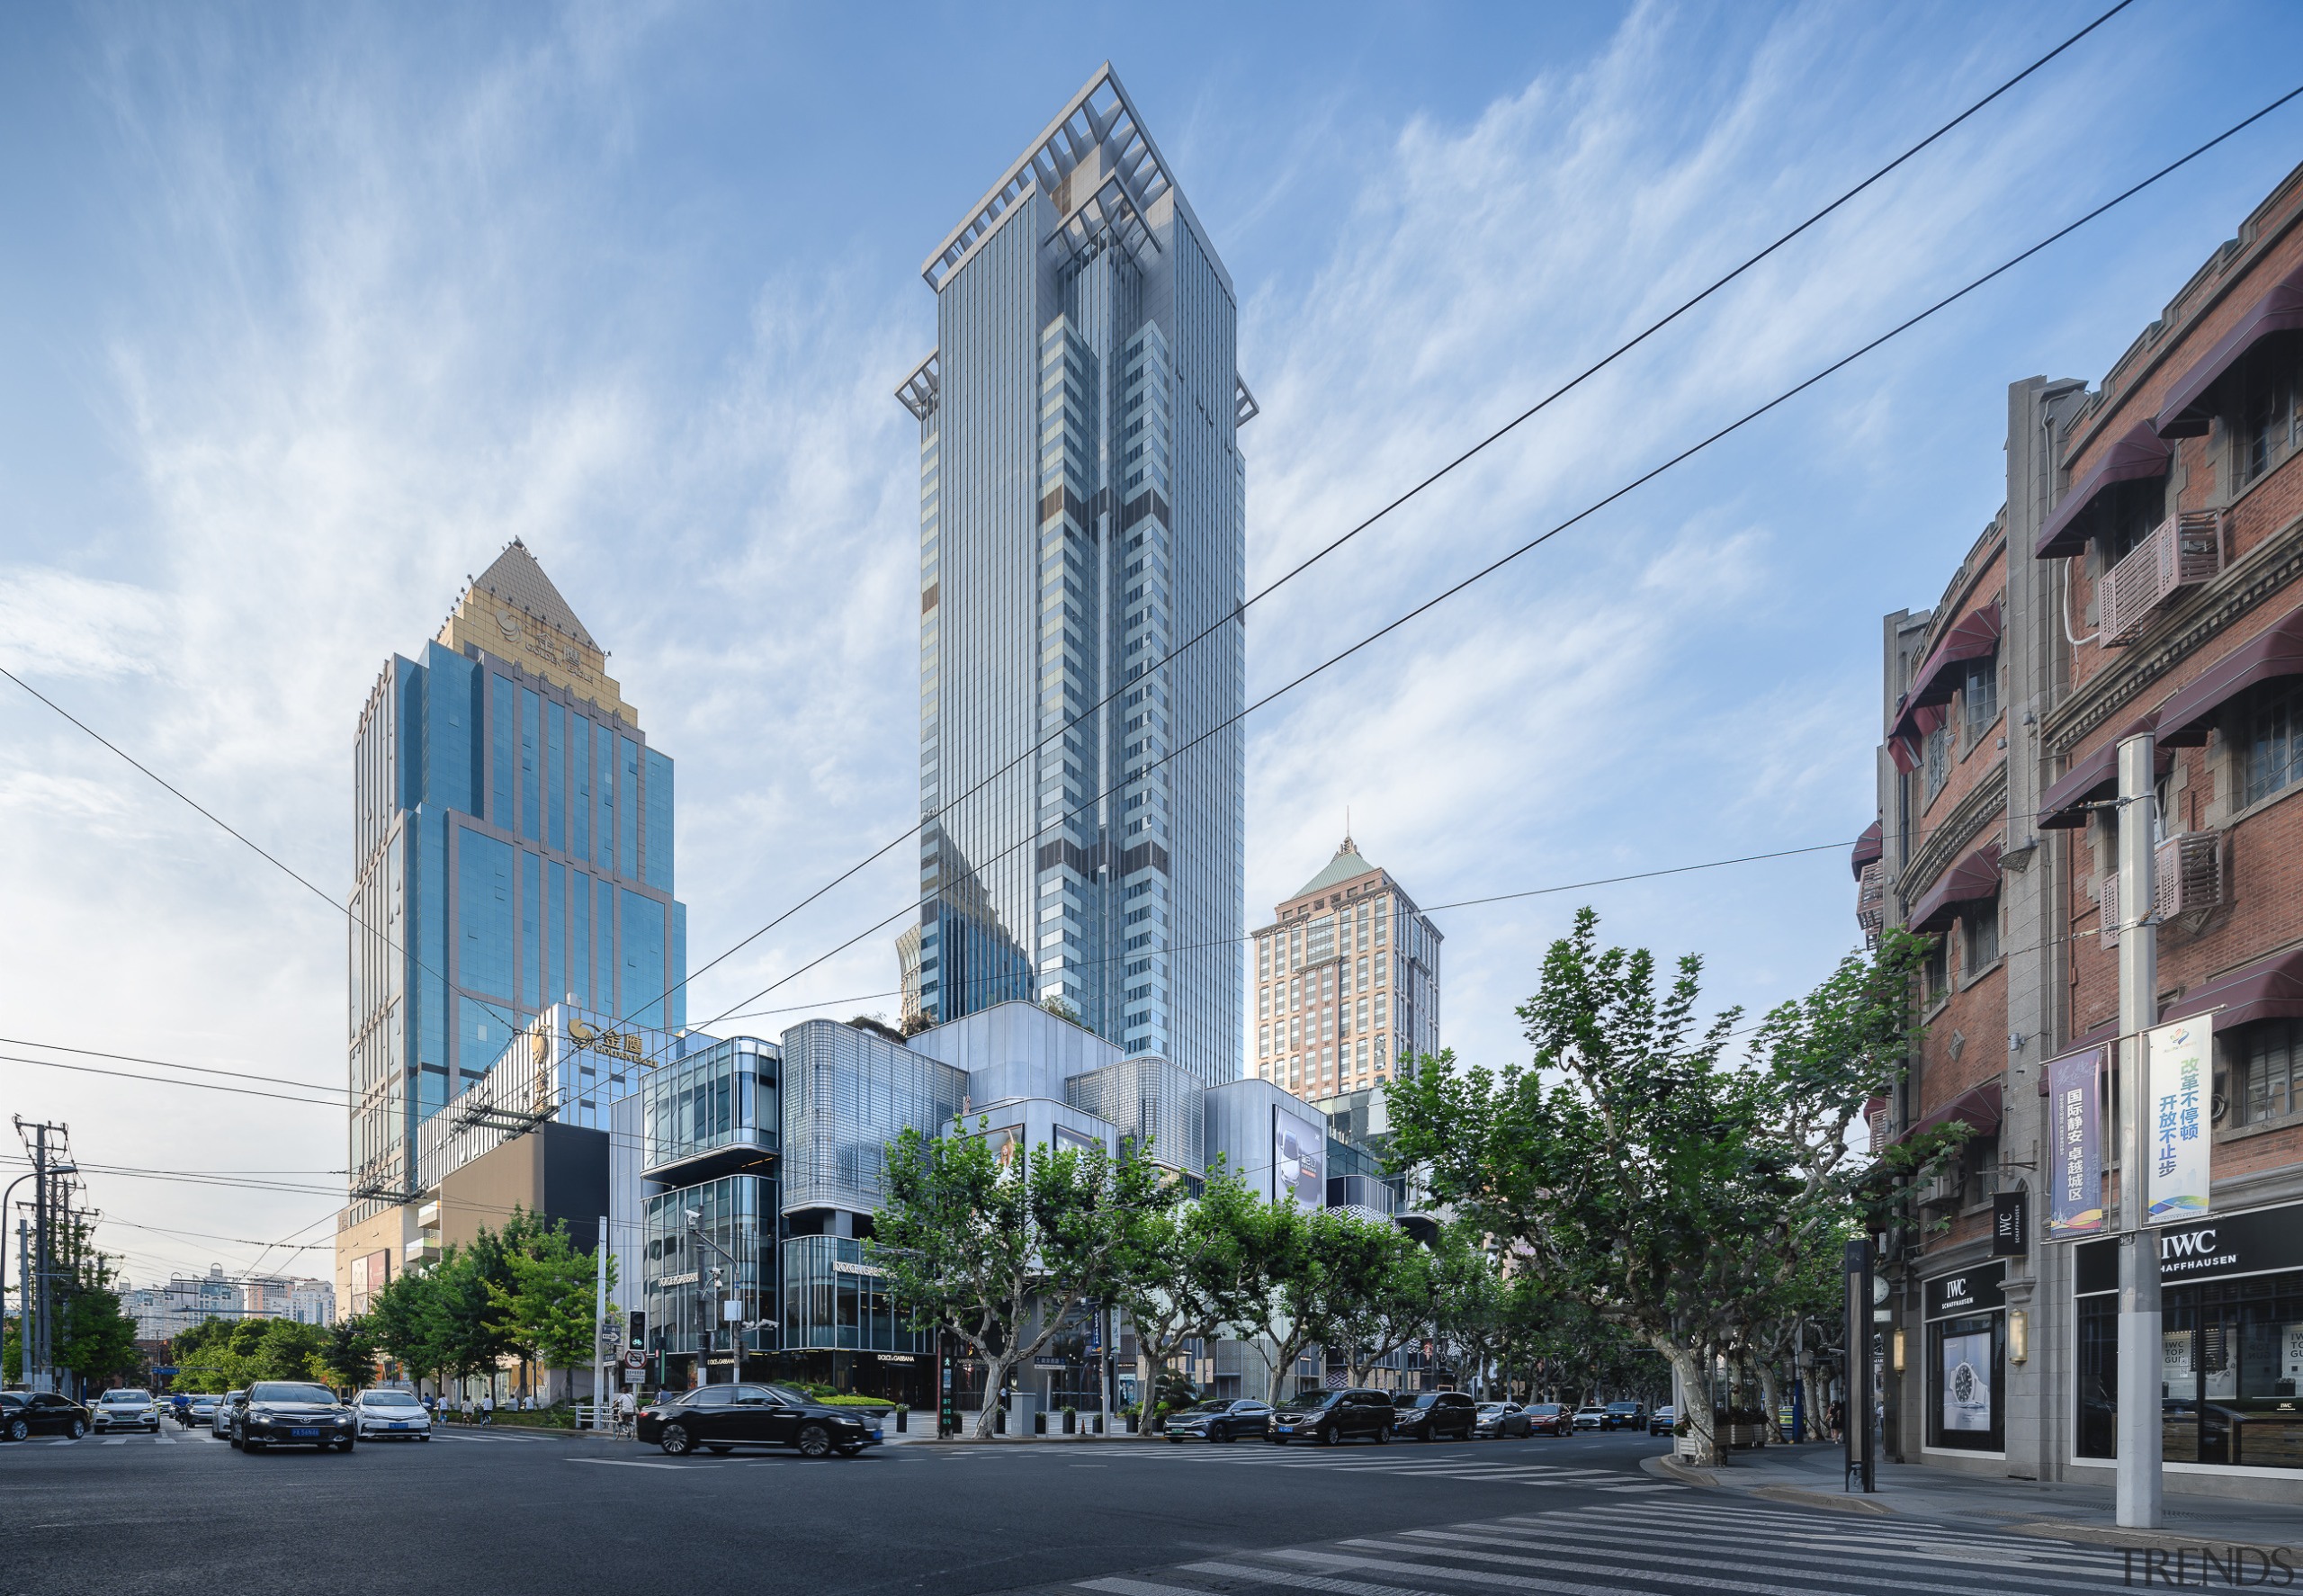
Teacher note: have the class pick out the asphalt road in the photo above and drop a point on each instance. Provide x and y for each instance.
(510, 1513)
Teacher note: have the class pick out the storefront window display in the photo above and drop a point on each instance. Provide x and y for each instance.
(2231, 1341)
(1967, 1360)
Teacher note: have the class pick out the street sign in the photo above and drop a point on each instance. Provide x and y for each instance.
(635, 1358)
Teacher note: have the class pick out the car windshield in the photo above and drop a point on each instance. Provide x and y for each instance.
(1623, 1407)
(1213, 1405)
(1493, 1407)
(129, 1395)
(283, 1391)
(389, 1399)
(1542, 1407)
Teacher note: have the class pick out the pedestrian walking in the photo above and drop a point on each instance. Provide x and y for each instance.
(487, 1407)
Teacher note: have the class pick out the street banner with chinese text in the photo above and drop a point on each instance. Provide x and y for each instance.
(2179, 1069)
(2075, 1151)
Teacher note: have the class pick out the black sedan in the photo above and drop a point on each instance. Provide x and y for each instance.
(719, 1418)
(1432, 1415)
(1624, 1415)
(24, 1414)
(1220, 1419)
(291, 1413)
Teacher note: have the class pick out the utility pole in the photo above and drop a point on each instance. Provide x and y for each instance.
(599, 1321)
(2138, 1492)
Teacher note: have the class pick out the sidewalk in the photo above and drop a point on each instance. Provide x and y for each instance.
(1812, 1475)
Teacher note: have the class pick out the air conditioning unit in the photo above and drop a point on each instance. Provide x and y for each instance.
(2188, 874)
(1943, 1189)
(2181, 552)
(2186, 880)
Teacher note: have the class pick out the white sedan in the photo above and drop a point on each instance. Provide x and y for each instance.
(127, 1408)
(390, 1415)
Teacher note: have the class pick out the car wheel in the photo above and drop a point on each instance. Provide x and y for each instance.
(345, 1446)
(1175, 1441)
(676, 1442)
(1279, 1440)
(813, 1441)
(1327, 1437)
(1384, 1436)
(75, 1428)
(1219, 1433)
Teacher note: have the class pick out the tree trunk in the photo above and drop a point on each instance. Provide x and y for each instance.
(1695, 1391)
(1818, 1403)
(1146, 1384)
(995, 1380)
(1772, 1402)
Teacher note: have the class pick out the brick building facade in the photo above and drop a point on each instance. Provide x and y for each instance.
(2145, 574)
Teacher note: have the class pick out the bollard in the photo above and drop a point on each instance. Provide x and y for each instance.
(903, 1420)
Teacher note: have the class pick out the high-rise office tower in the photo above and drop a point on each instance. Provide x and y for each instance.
(1082, 504)
(1346, 982)
(512, 836)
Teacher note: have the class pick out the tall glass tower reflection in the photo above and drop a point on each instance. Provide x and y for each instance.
(512, 849)
(1082, 507)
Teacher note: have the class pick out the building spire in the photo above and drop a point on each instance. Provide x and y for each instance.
(1348, 847)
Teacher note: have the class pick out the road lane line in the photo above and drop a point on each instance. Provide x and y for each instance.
(635, 1463)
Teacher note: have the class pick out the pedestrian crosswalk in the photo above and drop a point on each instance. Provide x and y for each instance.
(1692, 1542)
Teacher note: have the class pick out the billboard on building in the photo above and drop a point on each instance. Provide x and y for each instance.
(1298, 1159)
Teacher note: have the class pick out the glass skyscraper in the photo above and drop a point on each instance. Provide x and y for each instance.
(1082, 506)
(513, 837)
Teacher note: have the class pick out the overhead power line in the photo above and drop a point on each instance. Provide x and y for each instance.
(1402, 499)
(1506, 559)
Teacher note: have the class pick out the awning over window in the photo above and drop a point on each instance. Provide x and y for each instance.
(2139, 454)
(2268, 989)
(1868, 847)
(2063, 806)
(1979, 1108)
(2266, 657)
(2185, 413)
(1974, 877)
(1932, 687)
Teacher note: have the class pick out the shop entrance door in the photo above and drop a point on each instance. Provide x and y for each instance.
(2218, 1357)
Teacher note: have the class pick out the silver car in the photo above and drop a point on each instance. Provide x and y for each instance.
(220, 1426)
(390, 1415)
(131, 1407)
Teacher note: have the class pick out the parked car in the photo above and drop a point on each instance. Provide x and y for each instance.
(290, 1413)
(220, 1426)
(1497, 1420)
(199, 1411)
(1548, 1417)
(1591, 1418)
(127, 1407)
(1661, 1420)
(1625, 1415)
(26, 1414)
(1220, 1419)
(1328, 1417)
(719, 1418)
(1433, 1415)
(393, 1412)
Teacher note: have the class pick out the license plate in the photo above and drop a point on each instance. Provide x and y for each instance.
(398, 1425)
(304, 1434)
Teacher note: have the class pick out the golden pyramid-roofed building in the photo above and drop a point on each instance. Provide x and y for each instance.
(513, 611)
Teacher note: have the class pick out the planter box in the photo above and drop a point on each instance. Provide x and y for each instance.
(1683, 1446)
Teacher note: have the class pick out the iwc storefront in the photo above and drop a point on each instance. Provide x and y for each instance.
(1966, 1320)
(2231, 1346)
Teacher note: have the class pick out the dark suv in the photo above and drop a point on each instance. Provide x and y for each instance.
(1433, 1415)
(1328, 1417)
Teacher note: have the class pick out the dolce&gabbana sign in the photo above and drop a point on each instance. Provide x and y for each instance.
(2252, 1244)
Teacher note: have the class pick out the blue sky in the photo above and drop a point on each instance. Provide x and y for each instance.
(304, 312)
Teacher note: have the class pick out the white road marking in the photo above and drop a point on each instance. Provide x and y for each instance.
(635, 1463)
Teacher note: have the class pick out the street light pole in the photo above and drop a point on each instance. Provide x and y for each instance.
(2137, 1499)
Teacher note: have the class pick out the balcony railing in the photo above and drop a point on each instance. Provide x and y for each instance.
(1871, 901)
(2187, 879)
(2181, 552)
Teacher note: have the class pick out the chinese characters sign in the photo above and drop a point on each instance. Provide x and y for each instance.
(2075, 1151)
(2178, 1075)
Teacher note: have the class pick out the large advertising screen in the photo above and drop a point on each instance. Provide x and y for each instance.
(1966, 1382)
(1299, 1149)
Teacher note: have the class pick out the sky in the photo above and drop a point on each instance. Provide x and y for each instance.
(305, 311)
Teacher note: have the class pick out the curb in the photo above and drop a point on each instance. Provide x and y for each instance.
(1667, 1466)
(1800, 1496)
(2154, 1540)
